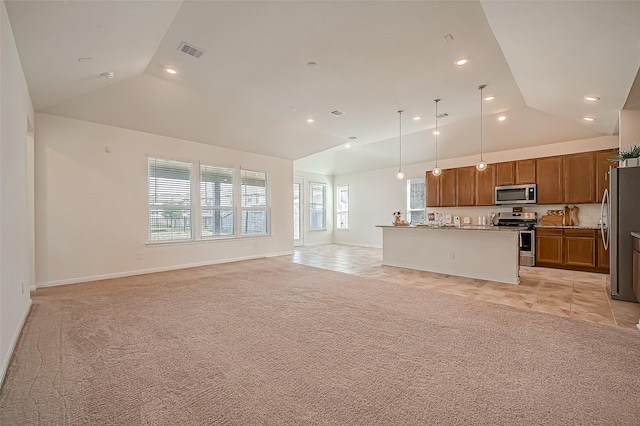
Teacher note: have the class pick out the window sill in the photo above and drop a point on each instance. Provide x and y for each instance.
(204, 240)
(317, 229)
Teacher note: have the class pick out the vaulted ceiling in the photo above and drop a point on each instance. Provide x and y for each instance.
(269, 66)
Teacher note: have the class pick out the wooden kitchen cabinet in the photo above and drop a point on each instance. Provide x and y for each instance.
(602, 257)
(448, 188)
(579, 247)
(465, 186)
(505, 173)
(579, 178)
(525, 171)
(549, 177)
(433, 190)
(549, 247)
(485, 186)
(603, 164)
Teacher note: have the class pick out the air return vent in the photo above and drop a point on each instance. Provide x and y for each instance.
(337, 112)
(190, 50)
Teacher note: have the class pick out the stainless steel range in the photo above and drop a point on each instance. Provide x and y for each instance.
(527, 222)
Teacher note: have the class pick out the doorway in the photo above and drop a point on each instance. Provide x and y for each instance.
(298, 227)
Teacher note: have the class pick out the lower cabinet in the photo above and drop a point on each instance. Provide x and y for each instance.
(577, 249)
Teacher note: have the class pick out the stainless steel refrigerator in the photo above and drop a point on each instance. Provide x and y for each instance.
(622, 206)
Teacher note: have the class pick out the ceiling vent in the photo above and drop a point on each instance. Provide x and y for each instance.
(337, 112)
(190, 50)
(443, 115)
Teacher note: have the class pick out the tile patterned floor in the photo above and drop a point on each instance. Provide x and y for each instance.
(574, 294)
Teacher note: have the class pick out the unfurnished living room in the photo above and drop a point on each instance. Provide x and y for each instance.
(319, 212)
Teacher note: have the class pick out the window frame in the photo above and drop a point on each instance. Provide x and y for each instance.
(339, 211)
(324, 206)
(409, 209)
(197, 208)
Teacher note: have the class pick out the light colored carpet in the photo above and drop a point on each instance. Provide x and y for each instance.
(271, 342)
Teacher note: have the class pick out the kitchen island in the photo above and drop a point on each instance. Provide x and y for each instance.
(483, 252)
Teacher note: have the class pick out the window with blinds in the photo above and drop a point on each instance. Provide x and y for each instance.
(342, 208)
(170, 205)
(416, 200)
(317, 206)
(216, 201)
(255, 203)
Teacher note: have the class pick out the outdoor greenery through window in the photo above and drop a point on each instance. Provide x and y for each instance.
(416, 200)
(216, 200)
(317, 206)
(255, 206)
(170, 207)
(342, 209)
(175, 209)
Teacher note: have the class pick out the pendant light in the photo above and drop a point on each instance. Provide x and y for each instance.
(437, 171)
(400, 174)
(481, 165)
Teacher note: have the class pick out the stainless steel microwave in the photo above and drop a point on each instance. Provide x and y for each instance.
(517, 194)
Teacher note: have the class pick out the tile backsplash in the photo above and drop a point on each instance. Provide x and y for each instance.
(589, 214)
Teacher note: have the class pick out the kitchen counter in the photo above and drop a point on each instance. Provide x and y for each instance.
(566, 227)
(460, 228)
(635, 234)
(472, 251)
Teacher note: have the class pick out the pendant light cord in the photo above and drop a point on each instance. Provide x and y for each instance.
(481, 87)
(436, 101)
(400, 139)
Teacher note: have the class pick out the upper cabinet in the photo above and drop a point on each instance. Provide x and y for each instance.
(465, 186)
(516, 172)
(505, 173)
(485, 184)
(549, 177)
(563, 179)
(579, 178)
(448, 188)
(525, 171)
(433, 190)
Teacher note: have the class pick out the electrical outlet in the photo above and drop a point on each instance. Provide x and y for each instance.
(255, 245)
(140, 255)
(22, 287)
(452, 255)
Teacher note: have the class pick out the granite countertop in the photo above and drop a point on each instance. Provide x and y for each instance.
(635, 234)
(566, 227)
(462, 227)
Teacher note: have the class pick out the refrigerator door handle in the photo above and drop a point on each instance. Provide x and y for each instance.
(605, 203)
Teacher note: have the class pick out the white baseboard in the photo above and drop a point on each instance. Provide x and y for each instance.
(152, 270)
(14, 341)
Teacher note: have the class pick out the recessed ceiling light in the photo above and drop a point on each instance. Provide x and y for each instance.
(310, 120)
(489, 98)
(591, 98)
(347, 145)
(171, 71)
(462, 61)
(502, 118)
(589, 119)
(416, 118)
(436, 132)
(312, 64)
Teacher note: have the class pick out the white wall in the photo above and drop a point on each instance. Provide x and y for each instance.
(317, 237)
(375, 194)
(92, 206)
(629, 128)
(15, 257)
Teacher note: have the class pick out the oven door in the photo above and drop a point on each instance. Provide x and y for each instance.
(527, 248)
